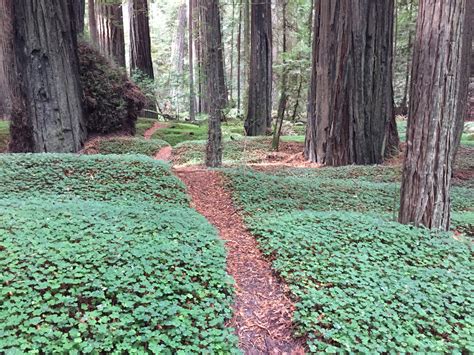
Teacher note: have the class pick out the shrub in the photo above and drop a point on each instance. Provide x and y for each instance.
(111, 101)
(101, 254)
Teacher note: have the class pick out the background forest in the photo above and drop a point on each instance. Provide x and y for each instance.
(236, 176)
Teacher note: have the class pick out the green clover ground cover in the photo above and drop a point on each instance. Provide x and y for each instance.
(101, 254)
(362, 284)
(128, 145)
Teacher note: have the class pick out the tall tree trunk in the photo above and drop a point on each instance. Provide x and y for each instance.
(48, 116)
(259, 113)
(284, 82)
(7, 76)
(438, 96)
(110, 30)
(192, 94)
(79, 14)
(246, 54)
(214, 71)
(92, 21)
(140, 42)
(239, 56)
(351, 97)
(403, 109)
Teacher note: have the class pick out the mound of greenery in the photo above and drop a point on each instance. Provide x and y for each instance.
(179, 132)
(368, 286)
(101, 254)
(236, 151)
(126, 145)
(111, 101)
(362, 284)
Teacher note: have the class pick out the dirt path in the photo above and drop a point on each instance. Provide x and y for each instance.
(262, 311)
(156, 127)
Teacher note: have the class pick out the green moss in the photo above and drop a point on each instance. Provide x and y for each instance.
(101, 254)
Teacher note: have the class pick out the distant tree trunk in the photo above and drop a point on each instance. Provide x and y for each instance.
(246, 54)
(92, 21)
(351, 95)
(79, 12)
(7, 76)
(403, 109)
(239, 56)
(284, 83)
(110, 30)
(140, 42)
(438, 95)
(214, 71)
(259, 110)
(48, 115)
(178, 51)
(192, 93)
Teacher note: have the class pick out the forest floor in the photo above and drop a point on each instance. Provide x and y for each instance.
(317, 259)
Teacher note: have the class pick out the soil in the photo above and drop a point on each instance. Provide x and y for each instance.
(262, 310)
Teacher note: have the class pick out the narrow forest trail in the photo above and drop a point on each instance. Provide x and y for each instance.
(164, 153)
(262, 311)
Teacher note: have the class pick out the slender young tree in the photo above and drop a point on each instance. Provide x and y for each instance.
(259, 105)
(7, 77)
(438, 95)
(351, 97)
(214, 71)
(140, 43)
(48, 115)
(110, 30)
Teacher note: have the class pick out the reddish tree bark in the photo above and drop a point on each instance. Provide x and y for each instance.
(48, 114)
(259, 105)
(438, 95)
(351, 97)
(140, 42)
(7, 77)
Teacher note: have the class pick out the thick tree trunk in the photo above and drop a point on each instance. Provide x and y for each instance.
(259, 113)
(351, 94)
(79, 15)
(438, 96)
(214, 71)
(7, 77)
(110, 30)
(48, 116)
(179, 43)
(239, 57)
(140, 43)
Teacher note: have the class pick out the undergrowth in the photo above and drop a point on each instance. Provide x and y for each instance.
(4, 135)
(127, 145)
(363, 284)
(101, 254)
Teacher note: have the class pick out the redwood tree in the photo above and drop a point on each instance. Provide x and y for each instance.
(259, 102)
(213, 65)
(140, 43)
(110, 30)
(48, 115)
(7, 77)
(351, 97)
(438, 96)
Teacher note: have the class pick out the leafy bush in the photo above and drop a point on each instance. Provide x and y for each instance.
(126, 145)
(102, 254)
(368, 286)
(112, 102)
